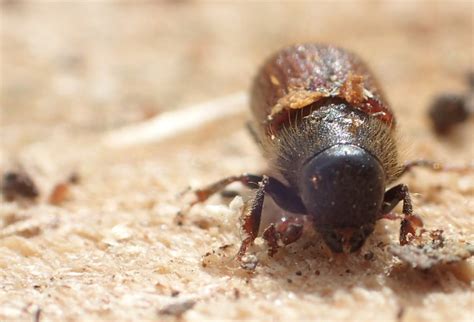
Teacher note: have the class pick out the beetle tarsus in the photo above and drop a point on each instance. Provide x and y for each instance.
(243, 247)
(410, 222)
(409, 227)
(270, 235)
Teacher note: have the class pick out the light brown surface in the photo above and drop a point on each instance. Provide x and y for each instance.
(71, 72)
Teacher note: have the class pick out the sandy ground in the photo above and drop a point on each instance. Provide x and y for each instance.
(116, 249)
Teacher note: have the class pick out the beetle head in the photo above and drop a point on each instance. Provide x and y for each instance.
(342, 188)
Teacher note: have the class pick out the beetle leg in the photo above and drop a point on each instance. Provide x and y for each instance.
(286, 232)
(251, 219)
(282, 234)
(434, 166)
(271, 236)
(410, 222)
(283, 196)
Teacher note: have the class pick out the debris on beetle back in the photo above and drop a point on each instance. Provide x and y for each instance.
(426, 253)
(18, 184)
(177, 309)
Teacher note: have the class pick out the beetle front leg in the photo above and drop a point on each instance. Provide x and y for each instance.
(283, 196)
(280, 234)
(410, 222)
(251, 220)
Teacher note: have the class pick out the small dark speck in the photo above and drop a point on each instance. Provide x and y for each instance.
(289, 280)
(224, 247)
(317, 273)
(175, 293)
(348, 271)
(236, 293)
(36, 287)
(37, 316)
(400, 313)
(74, 178)
(299, 273)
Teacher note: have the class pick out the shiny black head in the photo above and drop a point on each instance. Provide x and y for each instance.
(342, 188)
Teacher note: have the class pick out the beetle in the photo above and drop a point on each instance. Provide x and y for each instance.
(449, 110)
(324, 125)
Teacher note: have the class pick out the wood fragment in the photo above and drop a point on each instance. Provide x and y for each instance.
(174, 123)
(428, 255)
(177, 309)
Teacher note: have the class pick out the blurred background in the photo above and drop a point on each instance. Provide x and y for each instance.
(73, 66)
(117, 245)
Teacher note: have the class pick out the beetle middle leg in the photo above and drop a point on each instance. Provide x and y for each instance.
(248, 180)
(435, 166)
(410, 222)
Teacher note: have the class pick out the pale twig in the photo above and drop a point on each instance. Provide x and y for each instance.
(174, 123)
